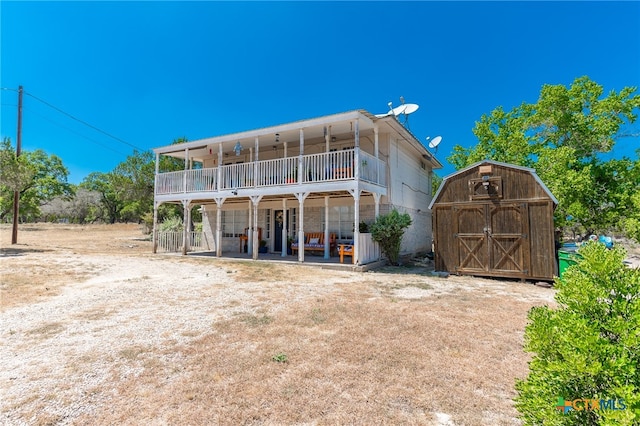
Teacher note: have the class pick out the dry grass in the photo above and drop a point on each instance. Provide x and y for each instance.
(348, 361)
(279, 344)
(29, 278)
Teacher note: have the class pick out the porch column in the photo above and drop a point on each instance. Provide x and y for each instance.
(300, 160)
(376, 199)
(301, 196)
(356, 225)
(186, 167)
(356, 159)
(154, 235)
(219, 186)
(250, 230)
(327, 139)
(284, 227)
(376, 142)
(255, 200)
(186, 223)
(154, 231)
(219, 202)
(255, 163)
(376, 148)
(327, 248)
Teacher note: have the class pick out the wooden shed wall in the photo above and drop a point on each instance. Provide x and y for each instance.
(517, 227)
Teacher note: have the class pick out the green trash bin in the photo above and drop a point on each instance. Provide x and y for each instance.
(566, 258)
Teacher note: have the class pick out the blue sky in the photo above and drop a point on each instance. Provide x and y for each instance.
(150, 72)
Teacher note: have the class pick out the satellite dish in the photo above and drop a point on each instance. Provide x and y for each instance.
(404, 109)
(398, 110)
(410, 108)
(435, 142)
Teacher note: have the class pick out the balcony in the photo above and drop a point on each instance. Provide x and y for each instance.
(345, 165)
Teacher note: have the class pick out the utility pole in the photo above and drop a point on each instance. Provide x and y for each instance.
(16, 194)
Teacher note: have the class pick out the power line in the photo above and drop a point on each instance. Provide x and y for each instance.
(77, 133)
(84, 122)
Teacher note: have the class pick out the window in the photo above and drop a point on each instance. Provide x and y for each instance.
(341, 221)
(267, 224)
(234, 222)
(293, 222)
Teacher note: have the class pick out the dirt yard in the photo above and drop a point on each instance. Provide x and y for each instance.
(97, 330)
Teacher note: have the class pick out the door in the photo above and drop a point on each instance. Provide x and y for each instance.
(277, 230)
(492, 239)
(508, 239)
(470, 238)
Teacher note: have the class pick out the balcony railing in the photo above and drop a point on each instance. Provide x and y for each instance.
(316, 168)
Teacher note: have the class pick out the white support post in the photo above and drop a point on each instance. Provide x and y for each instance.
(300, 160)
(250, 230)
(376, 199)
(301, 196)
(219, 202)
(255, 163)
(155, 227)
(356, 225)
(154, 235)
(284, 227)
(185, 226)
(376, 148)
(219, 167)
(327, 243)
(327, 139)
(184, 175)
(357, 151)
(255, 200)
(376, 141)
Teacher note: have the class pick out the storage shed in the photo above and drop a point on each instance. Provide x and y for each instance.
(495, 219)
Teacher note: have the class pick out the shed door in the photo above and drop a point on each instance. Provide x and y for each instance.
(492, 239)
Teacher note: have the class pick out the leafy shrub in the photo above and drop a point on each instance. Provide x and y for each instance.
(388, 230)
(171, 224)
(588, 347)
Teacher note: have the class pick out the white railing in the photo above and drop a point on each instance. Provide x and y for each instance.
(172, 241)
(368, 250)
(329, 166)
(236, 176)
(170, 183)
(325, 167)
(372, 169)
(280, 171)
(202, 180)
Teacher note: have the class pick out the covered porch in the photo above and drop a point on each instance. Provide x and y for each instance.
(260, 225)
(242, 181)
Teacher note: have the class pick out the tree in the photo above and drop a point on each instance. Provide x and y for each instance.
(15, 173)
(435, 183)
(127, 192)
(586, 348)
(388, 230)
(38, 176)
(133, 181)
(110, 204)
(564, 136)
(80, 208)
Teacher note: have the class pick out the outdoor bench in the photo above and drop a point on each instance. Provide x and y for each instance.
(314, 241)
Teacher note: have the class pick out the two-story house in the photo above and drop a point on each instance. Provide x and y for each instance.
(324, 175)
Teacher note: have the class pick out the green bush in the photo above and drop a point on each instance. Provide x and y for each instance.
(171, 224)
(588, 348)
(387, 231)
